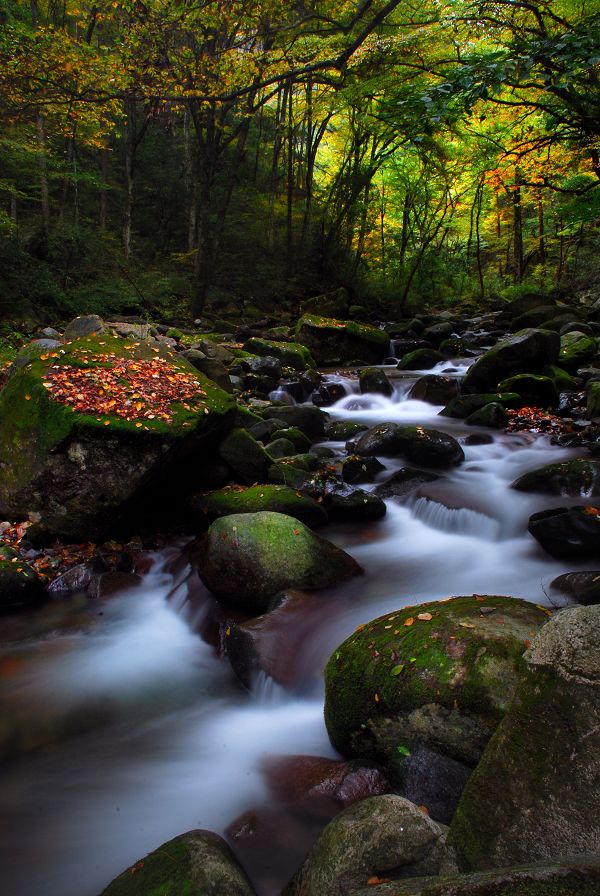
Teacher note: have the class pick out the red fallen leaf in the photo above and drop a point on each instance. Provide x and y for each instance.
(296, 531)
(373, 881)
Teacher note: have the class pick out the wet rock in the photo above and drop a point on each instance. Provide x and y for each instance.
(403, 482)
(378, 835)
(569, 532)
(592, 394)
(332, 341)
(289, 354)
(214, 369)
(246, 559)
(525, 352)
(347, 504)
(373, 379)
(428, 447)
(534, 389)
(263, 430)
(262, 365)
(343, 430)
(577, 349)
(534, 794)
(272, 644)
(584, 587)
(446, 653)
(428, 778)
(301, 442)
(327, 394)
(311, 421)
(465, 405)
(244, 455)
(492, 415)
(434, 389)
(109, 584)
(73, 581)
(280, 448)
(196, 862)
(277, 498)
(573, 478)
(420, 359)
(319, 784)
(357, 469)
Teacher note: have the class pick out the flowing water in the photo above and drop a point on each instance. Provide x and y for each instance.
(140, 729)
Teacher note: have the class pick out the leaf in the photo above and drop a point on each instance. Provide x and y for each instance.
(466, 625)
(425, 617)
(404, 751)
(409, 621)
(397, 669)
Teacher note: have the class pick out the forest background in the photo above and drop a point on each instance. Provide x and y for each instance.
(165, 157)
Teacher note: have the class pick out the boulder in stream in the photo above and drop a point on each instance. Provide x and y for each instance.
(535, 793)
(527, 351)
(246, 559)
(196, 862)
(253, 499)
(584, 587)
(569, 532)
(428, 447)
(572, 478)
(378, 835)
(332, 341)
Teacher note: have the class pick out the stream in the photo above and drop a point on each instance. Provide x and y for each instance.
(154, 736)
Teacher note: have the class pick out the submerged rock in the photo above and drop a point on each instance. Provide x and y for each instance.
(196, 862)
(246, 559)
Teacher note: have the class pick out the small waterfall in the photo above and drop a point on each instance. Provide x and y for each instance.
(457, 520)
(265, 691)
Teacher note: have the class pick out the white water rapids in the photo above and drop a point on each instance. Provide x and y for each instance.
(173, 743)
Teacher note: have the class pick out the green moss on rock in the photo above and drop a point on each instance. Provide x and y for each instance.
(466, 656)
(276, 498)
(332, 341)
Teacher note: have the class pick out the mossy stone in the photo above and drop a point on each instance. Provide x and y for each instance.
(577, 349)
(592, 395)
(373, 379)
(246, 559)
(193, 864)
(333, 341)
(462, 657)
(290, 354)
(492, 414)
(534, 389)
(465, 405)
(420, 359)
(574, 478)
(276, 498)
(527, 351)
(281, 448)
(534, 794)
(342, 430)
(429, 447)
(80, 471)
(246, 457)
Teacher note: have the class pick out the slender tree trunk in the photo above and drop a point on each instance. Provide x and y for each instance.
(274, 178)
(518, 255)
(104, 189)
(479, 198)
(289, 235)
(190, 181)
(43, 169)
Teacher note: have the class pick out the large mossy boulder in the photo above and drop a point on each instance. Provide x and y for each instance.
(428, 447)
(573, 478)
(527, 351)
(460, 655)
(192, 864)
(246, 559)
(244, 455)
(309, 420)
(84, 430)
(289, 354)
(332, 341)
(577, 349)
(536, 791)
(375, 838)
(254, 499)
(534, 389)
(373, 379)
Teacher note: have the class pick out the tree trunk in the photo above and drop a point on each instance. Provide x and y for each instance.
(518, 255)
(104, 189)
(43, 169)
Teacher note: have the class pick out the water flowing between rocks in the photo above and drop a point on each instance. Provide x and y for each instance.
(150, 734)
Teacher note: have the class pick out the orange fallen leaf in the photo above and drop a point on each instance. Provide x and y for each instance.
(425, 617)
(409, 621)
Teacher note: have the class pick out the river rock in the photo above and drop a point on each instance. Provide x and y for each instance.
(535, 792)
(592, 395)
(289, 354)
(404, 481)
(244, 455)
(246, 559)
(331, 341)
(584, 587)
(20, 586)
(197, 862)
(378, 835)
(428, 447)
(576, 350)
(319, 785)
(573, 478)
(465, 405)
(345, 503)
(357, 469)
(295, 435)
(527, 351)
(272, 644)
(279, 448)
(492, 415)
(420, 359)
(373, 379)
(84, 325)
(310, 420)
(534, 389)
(461, 655)
(576, 876)
(327, 394)
(82, 471)
(214, 369)
(569, 532)
(343, 430)
(434, 389)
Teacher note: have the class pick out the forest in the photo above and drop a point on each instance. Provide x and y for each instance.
(166, 156)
